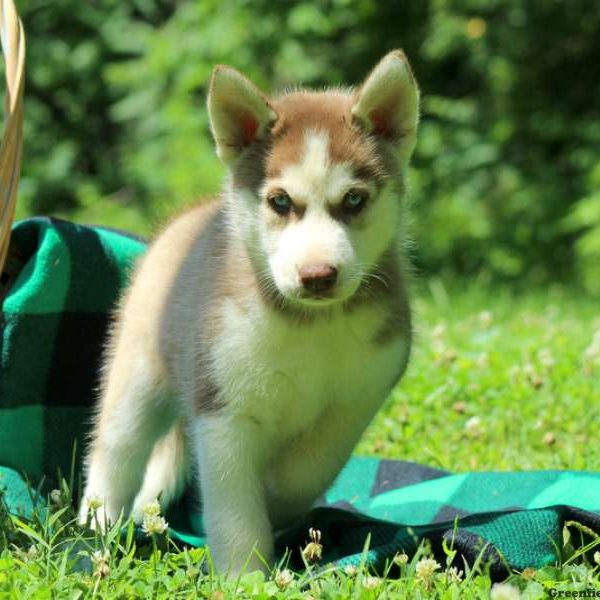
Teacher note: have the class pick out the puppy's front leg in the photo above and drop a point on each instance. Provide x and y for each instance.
(230, 456)
(307, 467)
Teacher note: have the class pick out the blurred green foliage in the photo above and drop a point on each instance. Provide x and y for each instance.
(506, 174)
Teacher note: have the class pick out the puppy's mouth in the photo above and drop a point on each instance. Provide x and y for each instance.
(312, 294)
(318, 299)
(338, 294)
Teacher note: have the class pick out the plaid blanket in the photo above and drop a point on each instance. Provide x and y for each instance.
(65, 280)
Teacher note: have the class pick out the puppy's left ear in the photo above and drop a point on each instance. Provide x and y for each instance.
(240, 114)
(387, 103)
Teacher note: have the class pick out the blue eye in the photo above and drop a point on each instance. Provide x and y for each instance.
(280, 202)
(354, 201)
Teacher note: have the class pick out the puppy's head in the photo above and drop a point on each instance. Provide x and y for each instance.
(317, 177)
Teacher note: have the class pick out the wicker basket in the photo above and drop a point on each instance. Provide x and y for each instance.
(12, 38)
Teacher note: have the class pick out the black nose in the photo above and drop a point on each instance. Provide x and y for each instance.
(318, 279)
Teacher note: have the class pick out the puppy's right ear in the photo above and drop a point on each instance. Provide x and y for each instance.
(239, 113)
(387, 103)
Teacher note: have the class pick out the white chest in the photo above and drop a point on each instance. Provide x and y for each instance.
(284, 375)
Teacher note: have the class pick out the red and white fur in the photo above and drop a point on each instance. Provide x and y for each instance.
(263, 329)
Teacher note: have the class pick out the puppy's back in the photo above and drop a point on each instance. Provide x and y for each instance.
(164, 287)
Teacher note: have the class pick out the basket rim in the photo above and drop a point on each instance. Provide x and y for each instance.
(12, 39)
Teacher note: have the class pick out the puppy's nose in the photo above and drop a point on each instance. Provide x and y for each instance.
(318, 279)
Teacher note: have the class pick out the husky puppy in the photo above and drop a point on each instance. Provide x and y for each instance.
(265, 327)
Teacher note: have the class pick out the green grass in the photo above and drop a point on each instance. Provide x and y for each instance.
(496, 382)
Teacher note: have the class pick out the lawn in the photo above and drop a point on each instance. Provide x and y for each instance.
(497, 381)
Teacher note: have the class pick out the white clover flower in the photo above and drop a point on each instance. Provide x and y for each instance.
(546, 358)
(400, 558)
(504, 591)
(454, 575)
(99, 556)
(152, 509)
(532, 376)
(514, 373)
(350, 570)
(528, 369)
(154, 524)
(597, 557)
(449, 356)
(94, 503)
(371, 583)
(528, 573)
(474, 427)
(283, 578)
(56, 497)
(425, 570)
(100, 560)
(313, 551)
(460, 407)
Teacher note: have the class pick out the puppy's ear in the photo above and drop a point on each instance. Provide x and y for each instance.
(387, 103)
(239, 113)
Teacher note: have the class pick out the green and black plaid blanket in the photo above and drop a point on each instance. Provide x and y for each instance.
(66, 279)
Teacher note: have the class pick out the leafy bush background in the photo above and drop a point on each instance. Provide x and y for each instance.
(506, 181)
